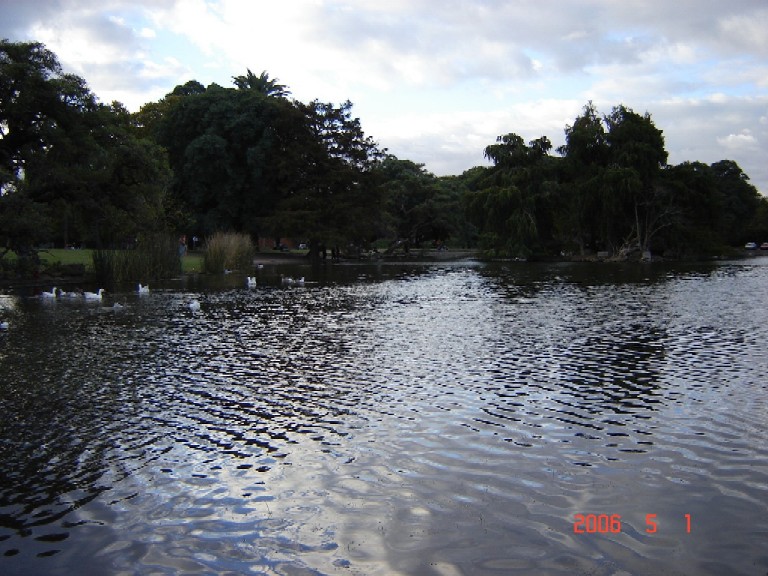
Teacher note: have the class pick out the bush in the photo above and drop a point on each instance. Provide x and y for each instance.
(156, 256)
(228, 250)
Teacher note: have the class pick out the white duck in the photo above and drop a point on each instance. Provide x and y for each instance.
(143, 289)
(194, 305)
(251, 281)
(51, 294)
(74, 294)
(4, 325)
(94, 295)
(299, 281)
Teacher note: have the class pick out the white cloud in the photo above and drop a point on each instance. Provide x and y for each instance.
(747, 31)
(717, 127)
(75, 47)
(744, 139)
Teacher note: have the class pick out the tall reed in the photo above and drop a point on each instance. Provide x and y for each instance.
(156, 256)
(228, 250)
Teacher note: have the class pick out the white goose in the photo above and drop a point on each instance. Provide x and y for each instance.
(51, 294)
(94, 295)
(299, 281)
(194, 305)
(251, 281)
(143, 289)
(74, 294)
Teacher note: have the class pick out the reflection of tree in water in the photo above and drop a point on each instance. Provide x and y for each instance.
(58, 430)
(617, 370)
(584, 354)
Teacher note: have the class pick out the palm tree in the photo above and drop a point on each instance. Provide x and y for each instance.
(261, 83)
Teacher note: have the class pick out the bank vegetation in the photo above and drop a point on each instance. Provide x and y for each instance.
(249, 159)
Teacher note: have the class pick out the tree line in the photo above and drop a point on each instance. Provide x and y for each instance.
(249, 158)
(609, 189)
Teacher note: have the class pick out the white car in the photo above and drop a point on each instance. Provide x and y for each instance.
(751, 245)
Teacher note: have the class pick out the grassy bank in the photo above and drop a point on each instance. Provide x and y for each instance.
(60, 256)
(52, 258)
(192, 263)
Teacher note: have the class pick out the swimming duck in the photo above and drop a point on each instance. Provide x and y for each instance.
(74, 294)
(51, 294)
(94, 295)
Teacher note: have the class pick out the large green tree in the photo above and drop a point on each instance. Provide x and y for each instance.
(249, 159)
(612, 167)
(216, 141)
(334, 199)
(30, 109)
(71, 169)
(511, 202)
(739, 202)
(409, 194)
(107, 186)
(586, 156)
(637, 155)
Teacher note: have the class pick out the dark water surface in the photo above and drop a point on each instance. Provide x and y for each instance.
(436, 419)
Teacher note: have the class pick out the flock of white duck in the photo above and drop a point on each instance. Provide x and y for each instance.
(56, 293)
(77, 294)
(98, 296)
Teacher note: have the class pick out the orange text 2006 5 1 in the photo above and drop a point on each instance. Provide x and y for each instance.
(611, 523)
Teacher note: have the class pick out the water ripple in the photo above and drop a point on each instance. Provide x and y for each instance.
(420, 419)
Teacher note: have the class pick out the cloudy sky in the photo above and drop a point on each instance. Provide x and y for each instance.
(435, 81)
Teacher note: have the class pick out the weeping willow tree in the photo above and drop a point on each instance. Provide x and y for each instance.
(506, 220)
(509, 202)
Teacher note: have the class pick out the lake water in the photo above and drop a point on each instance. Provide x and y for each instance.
(445, 420)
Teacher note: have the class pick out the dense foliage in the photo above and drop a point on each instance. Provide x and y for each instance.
(609, 190)
(71, 170)
(249, 159)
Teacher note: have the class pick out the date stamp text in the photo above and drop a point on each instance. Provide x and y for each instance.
(611, 523)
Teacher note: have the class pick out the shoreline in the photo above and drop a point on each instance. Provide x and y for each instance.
(413, 257)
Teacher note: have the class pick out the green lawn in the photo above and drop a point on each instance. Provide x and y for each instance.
(62, 256)
(192, 262)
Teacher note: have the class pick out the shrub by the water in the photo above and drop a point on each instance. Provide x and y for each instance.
(156, 256)
(228, 250)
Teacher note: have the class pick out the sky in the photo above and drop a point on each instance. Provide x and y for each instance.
(436, 81)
